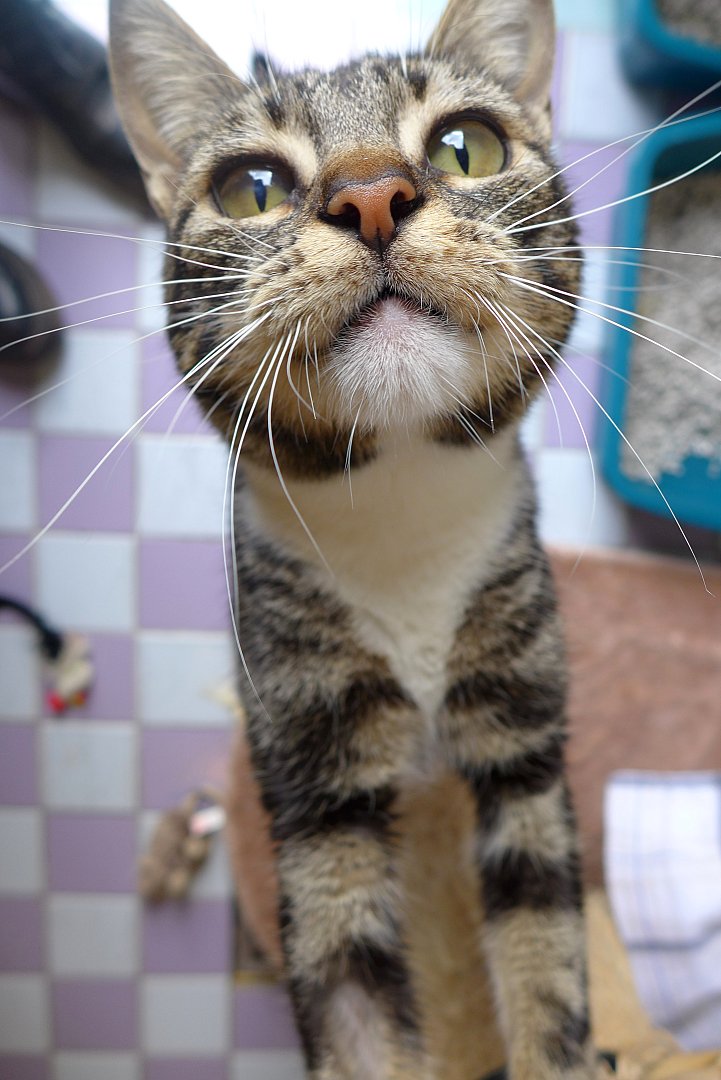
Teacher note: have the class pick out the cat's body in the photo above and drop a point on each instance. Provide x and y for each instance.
(395, 611)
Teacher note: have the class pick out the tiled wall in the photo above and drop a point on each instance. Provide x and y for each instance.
(94, 986)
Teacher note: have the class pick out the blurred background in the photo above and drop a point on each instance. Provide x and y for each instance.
(95, 984)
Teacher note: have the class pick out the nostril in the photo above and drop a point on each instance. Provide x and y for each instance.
(403, 202)
(347, 216)
(372, 208)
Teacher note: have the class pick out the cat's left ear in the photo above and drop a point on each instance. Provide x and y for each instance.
(167, 84)
(513, 39)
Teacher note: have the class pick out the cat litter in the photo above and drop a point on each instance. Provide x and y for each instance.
(697, 19)
(673, 410)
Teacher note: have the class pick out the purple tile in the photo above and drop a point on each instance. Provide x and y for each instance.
(182, 585)
(21, 935)
(604, 188)
(182, 1069)
(14, 413)
(17, 1067)
(17, 580)
(111, 697)
(176, 762)
(571, 436)
(159, 375)
(263, 1019)
(16, 161)
(92, 853)
(95, 1014)
(106, 503)
(18, 774)
(79, 266)
(189, 938)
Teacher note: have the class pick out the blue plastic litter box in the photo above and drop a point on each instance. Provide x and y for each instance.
(695, 494)
(653, 54)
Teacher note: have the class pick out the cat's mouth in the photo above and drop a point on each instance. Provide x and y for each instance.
(390, 308)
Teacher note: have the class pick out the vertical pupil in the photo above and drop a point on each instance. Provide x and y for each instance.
(457, 140)
(463, 159)
(260, 192)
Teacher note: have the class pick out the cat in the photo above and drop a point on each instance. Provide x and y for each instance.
(359, 339)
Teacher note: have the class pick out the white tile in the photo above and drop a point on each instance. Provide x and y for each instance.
(267, 1065)
(185, 1014)
(21, 851)
(19, 673)
(533, 426)
(182, 481)
(567, 517)
(587, 15)
(87, 581)
(24, 1015)
(89, 766)
(179, 675)
(214, 880)
(152, 313)
(17, 481)
(69, 192)
(597, 103)
(590, 326)
(95, 388)
(93, 935)
(96, 1066)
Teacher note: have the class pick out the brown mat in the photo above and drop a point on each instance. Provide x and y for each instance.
(644, 642)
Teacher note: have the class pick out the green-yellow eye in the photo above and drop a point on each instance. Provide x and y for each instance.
(467, 148)
(253, 189)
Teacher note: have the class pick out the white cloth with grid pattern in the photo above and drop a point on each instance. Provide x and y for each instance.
(663, 875)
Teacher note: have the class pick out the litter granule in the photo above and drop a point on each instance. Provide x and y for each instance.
(698, 19)
(673, 409)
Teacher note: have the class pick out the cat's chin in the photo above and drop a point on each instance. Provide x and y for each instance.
(398, 364)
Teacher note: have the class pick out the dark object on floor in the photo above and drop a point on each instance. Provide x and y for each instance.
(62, 71)
(29, 338)
(67, 658)
(179, 847)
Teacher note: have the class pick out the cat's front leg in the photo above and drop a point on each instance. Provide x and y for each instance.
(340, 912)
(503, 730)
(332, 736)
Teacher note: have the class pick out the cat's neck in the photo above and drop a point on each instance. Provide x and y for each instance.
(417, 500)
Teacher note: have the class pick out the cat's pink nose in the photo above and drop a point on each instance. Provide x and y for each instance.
(373, 207)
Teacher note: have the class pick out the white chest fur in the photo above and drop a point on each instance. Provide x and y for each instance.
(407, 550)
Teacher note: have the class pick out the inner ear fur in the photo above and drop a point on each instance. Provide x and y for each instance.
(513, 39)
(167, 82)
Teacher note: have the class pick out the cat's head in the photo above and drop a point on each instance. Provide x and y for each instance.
(353, 230)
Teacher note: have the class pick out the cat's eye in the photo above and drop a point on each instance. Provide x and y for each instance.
(467, 148)
(253, 189)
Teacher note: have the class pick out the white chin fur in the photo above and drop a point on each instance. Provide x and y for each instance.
(399, 367)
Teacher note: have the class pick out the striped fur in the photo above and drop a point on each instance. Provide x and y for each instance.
(407, 628)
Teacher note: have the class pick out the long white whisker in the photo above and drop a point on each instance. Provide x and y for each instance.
(103, 359)
(276, 463)
(616, 202)
(118, 442)
(552, 293)
(550, 367)
(639, 136)
(132, 239)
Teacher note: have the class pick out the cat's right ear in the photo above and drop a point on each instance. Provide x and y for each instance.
(167, 82)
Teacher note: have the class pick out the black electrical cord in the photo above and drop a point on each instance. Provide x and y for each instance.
(51, 640)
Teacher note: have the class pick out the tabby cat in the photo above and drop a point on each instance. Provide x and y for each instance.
(342, 273)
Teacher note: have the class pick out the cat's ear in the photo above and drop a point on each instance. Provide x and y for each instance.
(513, 39)
(167, 82)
